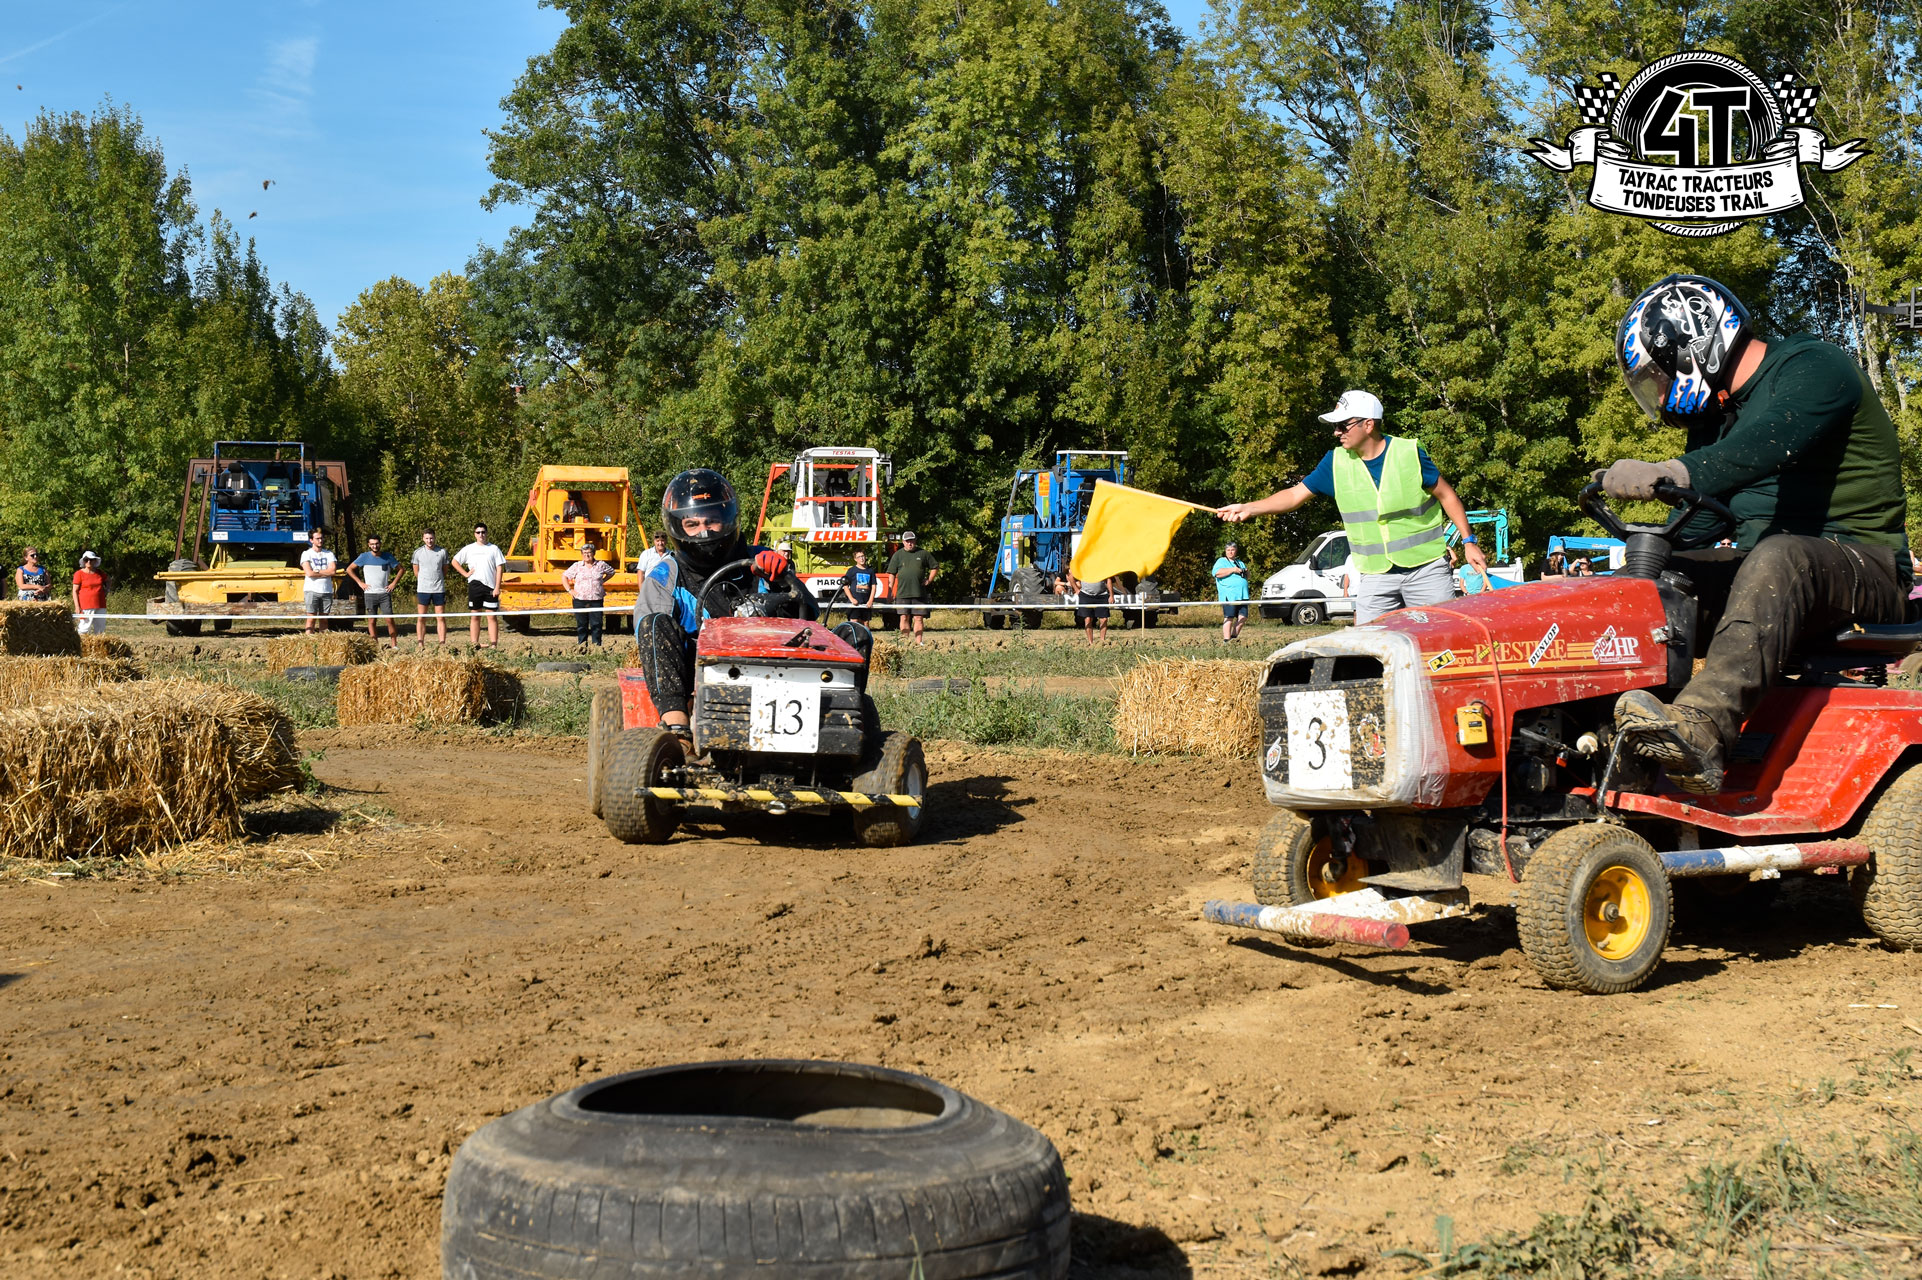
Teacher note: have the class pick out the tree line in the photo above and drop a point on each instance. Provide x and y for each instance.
(967, 234)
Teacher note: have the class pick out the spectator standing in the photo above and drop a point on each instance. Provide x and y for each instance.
(914, 571)
(481, 562)
(1231, 588)
(587, 585)
(858, 586)
(33, 580)
(1091, 605)
(654, 555)
(430, 587)
(90, 596)
(317, 566)
(376, 574)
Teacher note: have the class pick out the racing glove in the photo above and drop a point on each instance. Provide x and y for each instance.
(770, 565)
(1631, 480)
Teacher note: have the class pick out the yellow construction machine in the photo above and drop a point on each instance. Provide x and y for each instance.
(567, 508)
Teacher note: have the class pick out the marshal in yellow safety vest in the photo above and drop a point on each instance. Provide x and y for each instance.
(1397, 524)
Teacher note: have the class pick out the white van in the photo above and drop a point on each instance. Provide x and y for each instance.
(1319, 585)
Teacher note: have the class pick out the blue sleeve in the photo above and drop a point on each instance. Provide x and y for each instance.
(1321, 481)
(1430, 473)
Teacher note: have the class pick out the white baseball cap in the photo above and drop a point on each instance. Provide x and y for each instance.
(1354, 404)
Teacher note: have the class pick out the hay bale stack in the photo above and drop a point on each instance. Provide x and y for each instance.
(26, 681)
(1190, 707)
(438, 690)
(104, 647)
(37, 627)
(266, 756)
(325, 649)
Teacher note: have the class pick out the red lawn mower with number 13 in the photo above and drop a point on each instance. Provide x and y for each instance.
(1479, 737)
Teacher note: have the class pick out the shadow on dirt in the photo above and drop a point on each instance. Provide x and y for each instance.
(1111, 1250)
(957, 809)
(292, 816)
(1344, 965)
(8, 979)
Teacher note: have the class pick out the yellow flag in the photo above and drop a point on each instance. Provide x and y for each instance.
(1128, 531)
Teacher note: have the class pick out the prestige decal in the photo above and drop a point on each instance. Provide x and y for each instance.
(1696, 143)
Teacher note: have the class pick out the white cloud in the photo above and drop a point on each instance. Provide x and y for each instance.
(285, 86)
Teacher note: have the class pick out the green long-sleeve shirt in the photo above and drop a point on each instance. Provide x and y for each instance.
(1810, 450)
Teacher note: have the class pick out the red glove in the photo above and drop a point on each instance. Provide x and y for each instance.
(771, 565)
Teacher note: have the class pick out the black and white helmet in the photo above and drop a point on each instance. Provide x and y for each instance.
(1678, 346)
(707, 495)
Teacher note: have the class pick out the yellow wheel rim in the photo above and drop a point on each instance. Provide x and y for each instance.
(1318, 882)
(1617, 913)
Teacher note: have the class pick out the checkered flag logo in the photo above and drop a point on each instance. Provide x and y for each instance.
(1596, 103)
(1798, 100)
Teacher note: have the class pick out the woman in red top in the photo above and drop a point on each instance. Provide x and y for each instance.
(89, 596)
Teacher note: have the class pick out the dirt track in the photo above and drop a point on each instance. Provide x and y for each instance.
(264, 1074)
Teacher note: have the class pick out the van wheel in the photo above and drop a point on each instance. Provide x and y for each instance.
(1307, 615)
(1889, 887)
(636, 761)
(1594, 910)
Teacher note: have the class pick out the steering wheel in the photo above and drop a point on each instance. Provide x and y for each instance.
(731, 586)
(1688, 503)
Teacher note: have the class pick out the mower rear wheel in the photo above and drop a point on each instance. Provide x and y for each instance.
(1889, 888)
(896, 767)
(1594, 910)
(1293, 861)
(636, 760)
(603, 722)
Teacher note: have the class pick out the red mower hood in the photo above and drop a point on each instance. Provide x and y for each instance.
(772, 640)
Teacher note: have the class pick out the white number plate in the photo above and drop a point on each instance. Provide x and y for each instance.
(1319, 742)
(785, 717)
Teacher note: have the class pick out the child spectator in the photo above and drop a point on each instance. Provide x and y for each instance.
(89, 593)
(858, 585)
(376, 573)
(587, 584)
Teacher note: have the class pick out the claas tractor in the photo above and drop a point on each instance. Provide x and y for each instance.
(781, 723)
(1479, 737)
(835, 511)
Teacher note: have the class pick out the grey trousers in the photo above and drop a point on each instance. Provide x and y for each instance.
(1432, 583)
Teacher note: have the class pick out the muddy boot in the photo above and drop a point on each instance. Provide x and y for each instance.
(1680, 739)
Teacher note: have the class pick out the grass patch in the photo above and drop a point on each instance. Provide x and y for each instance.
(1004, 716)
(559, 709)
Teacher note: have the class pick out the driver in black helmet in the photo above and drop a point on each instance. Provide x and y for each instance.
(1791, 435)
(702, 519)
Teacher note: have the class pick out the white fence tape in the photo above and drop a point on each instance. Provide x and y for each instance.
(893, 606)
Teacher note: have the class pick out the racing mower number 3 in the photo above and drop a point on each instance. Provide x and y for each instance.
(781, 723)
(1479, 737)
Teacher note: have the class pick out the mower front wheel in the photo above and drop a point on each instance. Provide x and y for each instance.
(636, 760)
(1295, 864)
(896, 767)
(1594, 910)
(1889, 888)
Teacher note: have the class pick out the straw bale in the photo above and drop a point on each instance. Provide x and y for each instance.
(266, 756)
(105, 647)
(439, 690)
(25, 681)
(323, 649)
(1190, 707)
(37, 627)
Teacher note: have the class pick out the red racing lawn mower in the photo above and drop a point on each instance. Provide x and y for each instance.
(781, 723)
(1479, 737)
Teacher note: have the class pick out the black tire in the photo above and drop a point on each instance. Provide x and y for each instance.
(1151, 618)
(636, 759)
(1562, 909)
(223, 626)
(994, 621)
(895, 766)
(603, 722)
(889, 620)
(171, 590)
(562, 668)
(1291, 855)
(1308, 613)
(1889, 888)
(183, 627)
(1031, 619)
(519, 623)
(724, 1169)
(322, 675)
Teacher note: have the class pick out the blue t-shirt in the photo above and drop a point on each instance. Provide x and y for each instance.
(1321, 480)
(1233, 586)
(377, 571)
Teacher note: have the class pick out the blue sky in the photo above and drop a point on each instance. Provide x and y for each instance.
(367, 117)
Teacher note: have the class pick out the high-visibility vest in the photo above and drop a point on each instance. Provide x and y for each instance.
(1397, 524)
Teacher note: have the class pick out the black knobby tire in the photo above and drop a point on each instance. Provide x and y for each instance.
(183, 627)
(520, 624)
(636, 759)
(1290, 853)
(895, 766)
(1031, 619)
(806, 1169)
(994, 621)
(1151, 617)
(1308, 615)
(1889, 888)
(171, 590)
(603, 722)
(1560, 909)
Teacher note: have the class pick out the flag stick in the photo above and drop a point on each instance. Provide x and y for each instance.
(1128, 488)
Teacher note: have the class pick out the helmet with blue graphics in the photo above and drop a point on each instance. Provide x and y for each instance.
(1678, 346)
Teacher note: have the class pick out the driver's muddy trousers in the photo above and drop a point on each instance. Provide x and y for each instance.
(1758, 605)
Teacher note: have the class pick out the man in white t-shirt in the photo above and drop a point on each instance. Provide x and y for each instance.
(658, 552)
(481, 562)
(317, 565)
(430, 587)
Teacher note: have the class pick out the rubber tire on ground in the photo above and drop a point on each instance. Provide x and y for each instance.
(636, 759)
(1550, 906)
(1284, 852)
(1889, 888)
(889, 620)
(888, 764)
(724, 1169)
(562, 668)
(1151, 618)
(519, 623)
(603, 722)
(1308, 614)
(183, 627)
(171, 590)
(1031, 619)
(223, 626)
(994, 621)
(324, 675)
(937, 684)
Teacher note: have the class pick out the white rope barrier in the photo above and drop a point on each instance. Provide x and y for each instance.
(430, 611)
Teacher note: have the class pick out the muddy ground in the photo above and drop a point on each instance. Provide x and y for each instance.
(263, 1072)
